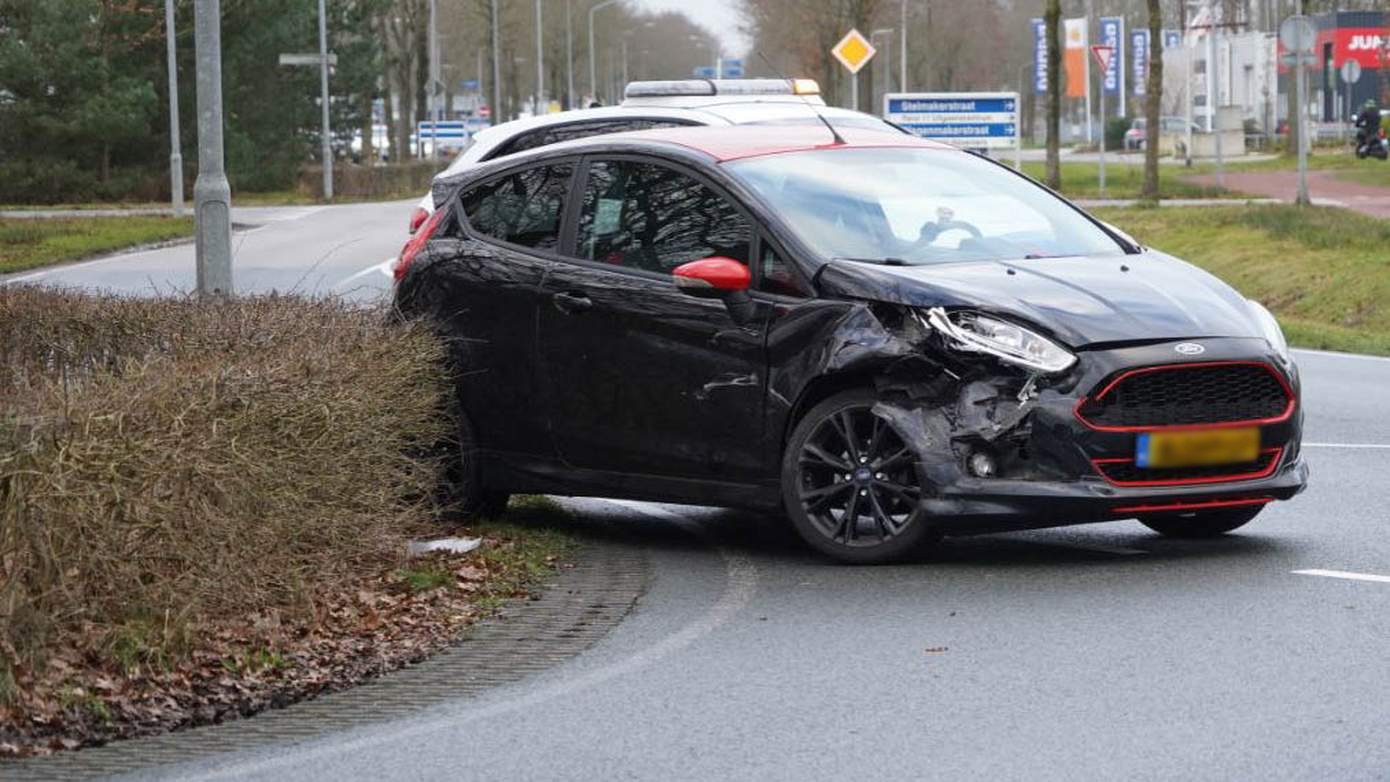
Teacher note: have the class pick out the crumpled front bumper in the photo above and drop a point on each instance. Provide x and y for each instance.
(1058, 483)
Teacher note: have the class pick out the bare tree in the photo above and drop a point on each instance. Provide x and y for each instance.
(1153, 100)
(1052, 19)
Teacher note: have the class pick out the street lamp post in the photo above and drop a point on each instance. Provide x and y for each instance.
(327, 141)
(593, 70)
(569, 56)
(212, 197)
(902, 57)
(495, 113)
(887, 56)
(175, 156)
(540, 60)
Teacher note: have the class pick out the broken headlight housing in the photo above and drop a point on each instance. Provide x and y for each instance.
(1008, 342)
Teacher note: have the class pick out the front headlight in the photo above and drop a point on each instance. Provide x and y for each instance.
(1006, 341)
(1269, 327)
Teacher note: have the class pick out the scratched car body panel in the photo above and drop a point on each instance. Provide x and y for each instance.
(884, 385)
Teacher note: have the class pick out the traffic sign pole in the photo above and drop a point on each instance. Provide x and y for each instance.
(1298, 36)
(1103, 55)
(327, 141)
(175, 156)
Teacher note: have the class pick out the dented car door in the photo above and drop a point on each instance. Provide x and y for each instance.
(639, 377)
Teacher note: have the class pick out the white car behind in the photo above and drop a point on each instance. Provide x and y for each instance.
(657, 104)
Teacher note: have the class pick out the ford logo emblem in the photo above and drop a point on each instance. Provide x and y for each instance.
(1189, 348)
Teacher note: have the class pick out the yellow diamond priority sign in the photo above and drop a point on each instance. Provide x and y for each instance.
(854, 51)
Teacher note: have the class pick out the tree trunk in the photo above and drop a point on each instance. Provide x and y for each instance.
(1154, 101)
(1052, 21)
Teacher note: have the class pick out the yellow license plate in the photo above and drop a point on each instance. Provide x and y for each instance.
(1198, 447)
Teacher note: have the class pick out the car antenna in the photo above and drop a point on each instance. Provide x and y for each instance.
(834, 134)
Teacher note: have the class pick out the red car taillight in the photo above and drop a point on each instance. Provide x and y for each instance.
(417, 218)
(417, 243)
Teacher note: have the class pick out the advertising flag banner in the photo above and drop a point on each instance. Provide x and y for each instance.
(1139, 46)
(1039, 57)
(1074, 56)
(1112, 33)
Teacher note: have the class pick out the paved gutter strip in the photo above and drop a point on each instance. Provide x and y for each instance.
(576, 609)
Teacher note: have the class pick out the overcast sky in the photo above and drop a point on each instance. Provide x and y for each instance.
(720, 17)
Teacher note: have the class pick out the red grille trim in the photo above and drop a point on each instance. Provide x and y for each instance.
(1169, 507)
(1273, 453)
(1283, 416)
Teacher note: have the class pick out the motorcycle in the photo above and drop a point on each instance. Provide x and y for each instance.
(1377, 147)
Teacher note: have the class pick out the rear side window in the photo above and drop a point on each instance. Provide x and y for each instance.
(543, 137)
(650, 217)
(523, 207)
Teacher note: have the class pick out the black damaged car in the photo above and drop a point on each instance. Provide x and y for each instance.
(888, 339)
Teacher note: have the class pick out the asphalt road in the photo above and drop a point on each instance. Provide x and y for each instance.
(1092, 652)
(330, 250)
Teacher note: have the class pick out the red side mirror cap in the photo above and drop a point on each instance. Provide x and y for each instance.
(712, 276)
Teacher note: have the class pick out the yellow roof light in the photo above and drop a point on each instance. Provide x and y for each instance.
(805, 87)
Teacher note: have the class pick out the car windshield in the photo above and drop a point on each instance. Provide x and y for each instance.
(915, 206)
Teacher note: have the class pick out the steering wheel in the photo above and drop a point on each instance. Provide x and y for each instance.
(945, 221)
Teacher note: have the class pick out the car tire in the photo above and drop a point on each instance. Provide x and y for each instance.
(1206, 524)
(841, 437)
(468, 496)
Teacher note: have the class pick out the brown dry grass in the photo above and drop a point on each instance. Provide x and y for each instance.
(167, 463)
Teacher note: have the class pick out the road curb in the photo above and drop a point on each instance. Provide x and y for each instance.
(576, 609)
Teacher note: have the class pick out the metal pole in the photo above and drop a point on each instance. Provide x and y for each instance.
(624, 62)
(1101, 98)
(854, 91)
(175, 156)
(1086, 59)
(212, 197)
(540, 59)
(593, 72)
(1214, 90)
(902, 58)
(569, 56)
(323, 98)
(496, 112)
(434, 68)
(1302, 197)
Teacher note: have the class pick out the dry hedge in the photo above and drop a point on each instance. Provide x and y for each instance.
(168, 462)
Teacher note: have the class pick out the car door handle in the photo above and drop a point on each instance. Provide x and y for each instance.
(572, 303)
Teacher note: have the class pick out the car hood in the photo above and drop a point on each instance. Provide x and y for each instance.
(1080, 300)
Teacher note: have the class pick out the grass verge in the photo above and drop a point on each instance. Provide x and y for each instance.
(1324, 272)
(204, 510)
(1080, 180)
(27, 243)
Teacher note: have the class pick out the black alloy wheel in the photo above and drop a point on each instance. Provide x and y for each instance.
(850, 483)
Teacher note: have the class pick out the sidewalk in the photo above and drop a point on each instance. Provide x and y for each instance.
(1323, 186)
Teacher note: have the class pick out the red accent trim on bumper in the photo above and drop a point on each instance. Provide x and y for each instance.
(1169, 507)
(1284, 416)
(1249, 476)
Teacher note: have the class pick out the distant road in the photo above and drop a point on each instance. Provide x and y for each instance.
(340, 249)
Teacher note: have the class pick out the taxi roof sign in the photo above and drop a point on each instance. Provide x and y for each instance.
(854, 51)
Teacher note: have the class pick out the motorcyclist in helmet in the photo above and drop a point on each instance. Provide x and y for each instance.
(1367, 124)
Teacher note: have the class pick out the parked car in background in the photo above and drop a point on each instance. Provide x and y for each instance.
(657, 104)
(887, 338)
(1136, 136)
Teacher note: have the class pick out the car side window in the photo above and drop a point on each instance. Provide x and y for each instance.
(650, 217)
(775, 275)
(522, 207)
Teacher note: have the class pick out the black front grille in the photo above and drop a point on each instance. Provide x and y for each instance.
(1128, 472)
(1179, 395)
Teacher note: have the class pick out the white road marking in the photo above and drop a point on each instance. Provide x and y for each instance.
(1346, 575)
(384, 267)
(1372, 446)
(1337, 354)
(741, 582)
